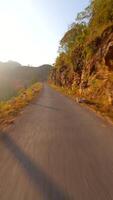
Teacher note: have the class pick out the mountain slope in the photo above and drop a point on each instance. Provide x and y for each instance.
(14, 77)
(84, 65)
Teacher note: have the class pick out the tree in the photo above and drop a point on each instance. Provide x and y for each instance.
(97, 15)
(102, 12)
(85, 15)
(76, 34)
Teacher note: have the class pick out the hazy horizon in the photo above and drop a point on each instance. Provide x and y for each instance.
(26, 65)
(31, 30)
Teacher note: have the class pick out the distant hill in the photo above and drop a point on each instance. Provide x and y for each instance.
(43, 72)
(14, 76)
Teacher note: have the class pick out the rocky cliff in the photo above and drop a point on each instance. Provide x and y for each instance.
(94, 80)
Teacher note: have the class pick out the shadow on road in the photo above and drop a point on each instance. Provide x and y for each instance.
(49, 190)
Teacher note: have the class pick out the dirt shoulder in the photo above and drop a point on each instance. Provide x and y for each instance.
(98, 108)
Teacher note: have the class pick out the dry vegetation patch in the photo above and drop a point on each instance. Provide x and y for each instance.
(9, 109)
(96, 105)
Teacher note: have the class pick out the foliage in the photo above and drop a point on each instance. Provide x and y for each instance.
(85, 15)
(82, 39)
(75, 35)
(98, 15)
(79, 67)
(71, 47)
(102, 13)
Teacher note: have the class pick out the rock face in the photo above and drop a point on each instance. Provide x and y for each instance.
(95, 81)
(99, 70)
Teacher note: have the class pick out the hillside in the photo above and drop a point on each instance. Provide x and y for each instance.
(43, 72)
(14, 77)
(85, 62)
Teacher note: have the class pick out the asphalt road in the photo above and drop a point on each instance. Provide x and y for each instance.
(56, 150)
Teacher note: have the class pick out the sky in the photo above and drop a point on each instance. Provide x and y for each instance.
(30, 30)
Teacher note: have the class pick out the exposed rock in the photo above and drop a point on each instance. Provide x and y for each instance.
(81, 100)
(109, 56)
(95, 77)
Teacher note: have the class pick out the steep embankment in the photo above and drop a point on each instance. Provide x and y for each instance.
(85, 62)
(95, 80)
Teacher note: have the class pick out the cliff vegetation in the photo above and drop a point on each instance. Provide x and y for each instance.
(84, 66)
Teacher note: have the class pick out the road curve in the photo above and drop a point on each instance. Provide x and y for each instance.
(56, 150)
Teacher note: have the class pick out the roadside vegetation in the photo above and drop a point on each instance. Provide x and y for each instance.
(84, 66)
(9, 109)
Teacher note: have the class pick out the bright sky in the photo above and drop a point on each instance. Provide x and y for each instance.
(30, 30)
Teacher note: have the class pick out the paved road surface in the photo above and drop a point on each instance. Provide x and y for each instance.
(56, 150)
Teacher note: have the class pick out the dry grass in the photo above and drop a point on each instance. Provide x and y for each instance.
(105, 111)
(9, 109)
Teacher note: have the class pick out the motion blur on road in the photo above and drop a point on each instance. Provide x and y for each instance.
(56, 150)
